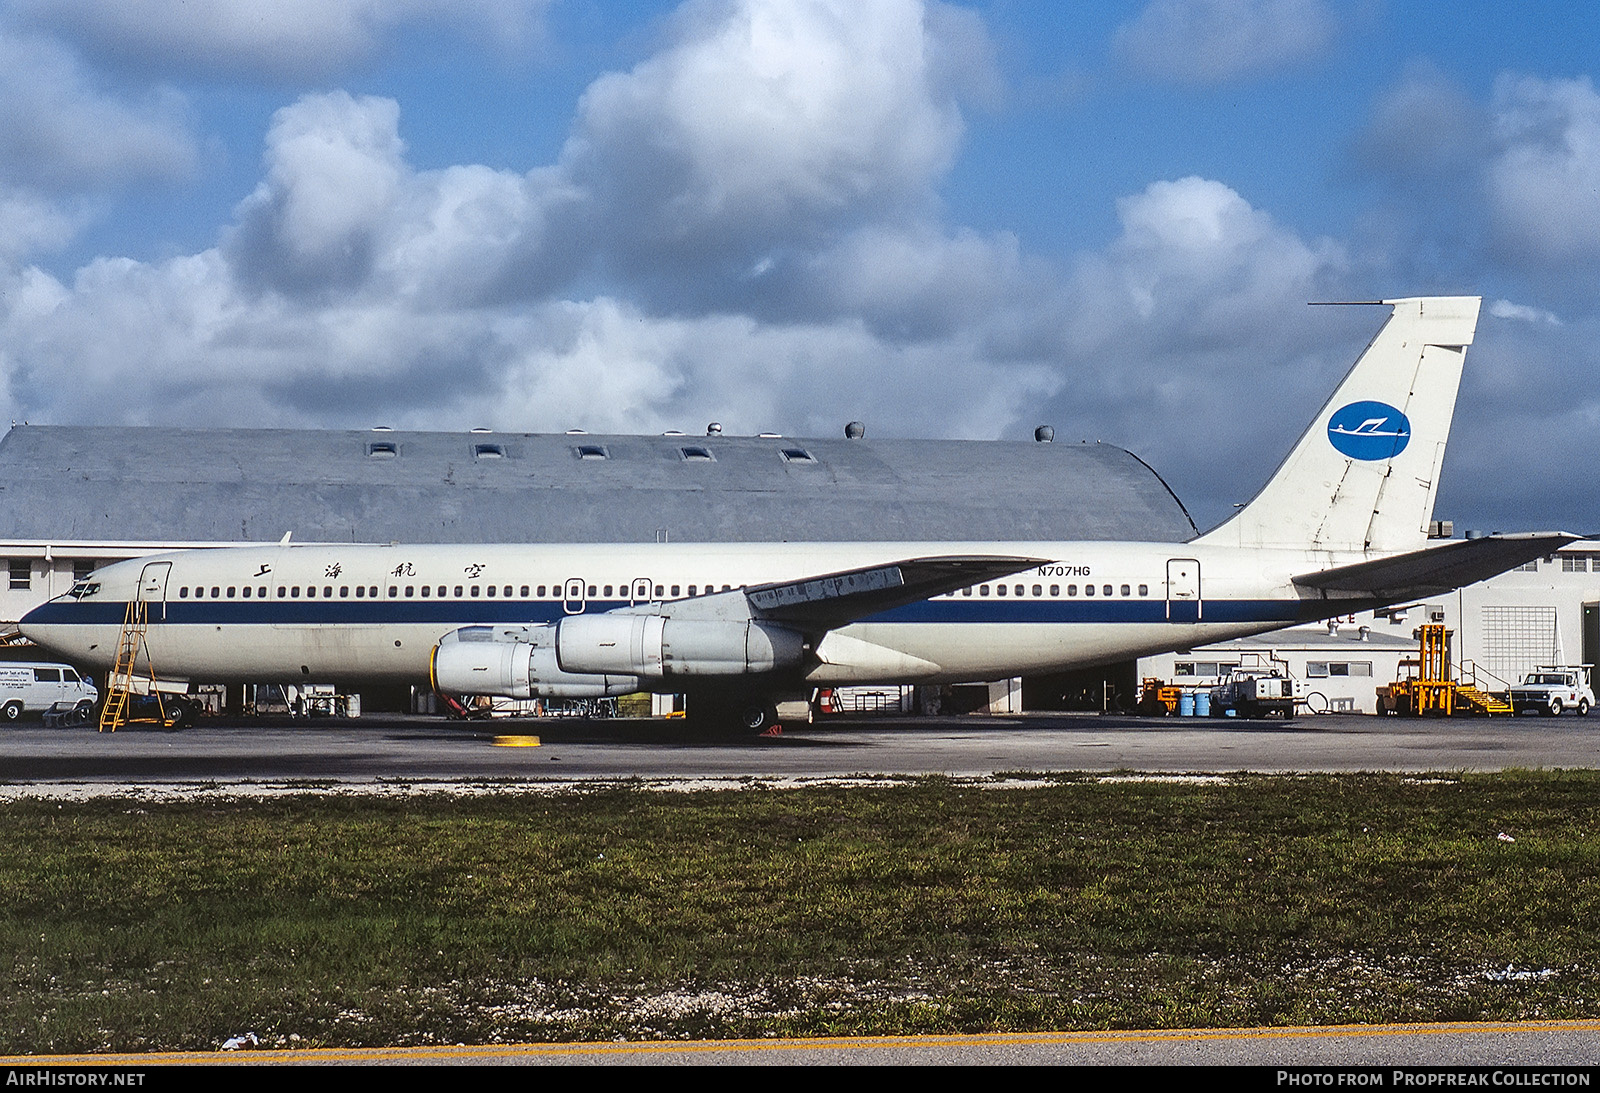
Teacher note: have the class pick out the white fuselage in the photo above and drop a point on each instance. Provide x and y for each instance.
(354, 613)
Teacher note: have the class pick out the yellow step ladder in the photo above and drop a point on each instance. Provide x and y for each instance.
(119, 685)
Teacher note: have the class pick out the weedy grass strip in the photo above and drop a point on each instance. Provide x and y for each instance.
(924, 907)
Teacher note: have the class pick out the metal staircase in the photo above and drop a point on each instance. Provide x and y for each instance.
(1490, 705)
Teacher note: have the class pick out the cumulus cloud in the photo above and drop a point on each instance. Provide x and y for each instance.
(334, 175)
(60, 132)
(1544, 182)
(1215, 41)
(769, 124)
(1196, 308)
(32, 223)
(1422, 128)
(1515, 180)
(354, 287)
(286, 39)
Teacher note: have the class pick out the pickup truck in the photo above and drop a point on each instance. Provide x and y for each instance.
(1550, 690)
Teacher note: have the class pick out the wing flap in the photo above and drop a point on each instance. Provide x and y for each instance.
(1435, 570)
(834, 599)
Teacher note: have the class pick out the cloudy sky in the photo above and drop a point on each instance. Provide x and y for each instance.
(946, 220)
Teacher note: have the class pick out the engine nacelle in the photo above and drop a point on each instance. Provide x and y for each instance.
(656, 647)
(515, 662)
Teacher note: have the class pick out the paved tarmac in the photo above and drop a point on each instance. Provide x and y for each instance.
(422, 748)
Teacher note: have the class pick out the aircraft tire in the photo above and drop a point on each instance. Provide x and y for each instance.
(183, 715)
(743, 716)
(756, 717)
(11, 711)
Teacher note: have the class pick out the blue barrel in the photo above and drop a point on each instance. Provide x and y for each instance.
(1202, 704)
(1186, 705)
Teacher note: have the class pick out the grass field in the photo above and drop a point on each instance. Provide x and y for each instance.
(935, 906)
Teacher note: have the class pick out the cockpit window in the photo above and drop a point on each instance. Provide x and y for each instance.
(84, 588)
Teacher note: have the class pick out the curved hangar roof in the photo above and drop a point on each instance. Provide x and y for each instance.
(228, 485)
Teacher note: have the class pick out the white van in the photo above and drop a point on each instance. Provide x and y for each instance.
(27, 687)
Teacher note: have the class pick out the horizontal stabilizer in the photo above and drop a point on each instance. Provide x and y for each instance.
(834, 599)
(1438, 569)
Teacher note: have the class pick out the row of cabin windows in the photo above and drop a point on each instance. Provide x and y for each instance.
(1055, 590)
(218, 592)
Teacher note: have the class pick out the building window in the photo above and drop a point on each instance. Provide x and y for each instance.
(21, 573)
(1574, 563)
(696, 455)
(82, 567)
(382, 449)
(797, 455)
(591, 451)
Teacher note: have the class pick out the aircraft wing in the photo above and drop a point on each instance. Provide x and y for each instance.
(1439, 569)
(834, 599)
(829, 600)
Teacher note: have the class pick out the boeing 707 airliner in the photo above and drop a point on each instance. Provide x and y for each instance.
(1340, 527)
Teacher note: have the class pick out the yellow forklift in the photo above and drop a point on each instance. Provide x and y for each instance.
(1431, 688)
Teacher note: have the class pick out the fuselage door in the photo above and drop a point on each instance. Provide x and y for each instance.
(1183, 590)
(153, 588)
(572, 598)
(641, 591)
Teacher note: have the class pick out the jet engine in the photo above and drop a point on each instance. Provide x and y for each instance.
(655, 646)
(515, 662)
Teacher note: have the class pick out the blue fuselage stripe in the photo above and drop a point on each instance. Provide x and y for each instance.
(450, 612)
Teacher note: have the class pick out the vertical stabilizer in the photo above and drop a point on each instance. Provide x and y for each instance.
(1364, 475)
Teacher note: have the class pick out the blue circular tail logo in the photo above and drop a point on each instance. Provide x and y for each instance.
(1369, 430)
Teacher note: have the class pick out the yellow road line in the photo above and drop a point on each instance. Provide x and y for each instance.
(691, 1047)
